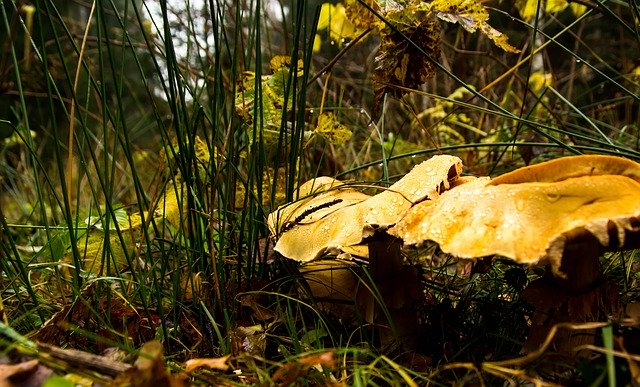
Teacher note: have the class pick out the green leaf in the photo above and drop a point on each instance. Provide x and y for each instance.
(121, 217)
(58, 381)
(332, 130)
(272, 105)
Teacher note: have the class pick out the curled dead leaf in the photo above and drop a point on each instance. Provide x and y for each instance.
(219, 363)
(289, 372)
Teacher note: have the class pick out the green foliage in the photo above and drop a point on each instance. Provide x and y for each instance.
(191, 124)
(274, 100)
(332, 130)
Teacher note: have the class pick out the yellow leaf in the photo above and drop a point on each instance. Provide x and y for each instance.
(317, 43)
(325, 15)
(284, 61)
(334, 17)
(498, 38)
(538, 80)
(527, 8)
(578, 9)
(331, 129)
(341, 27)
(553, 6)
(361, 17)
(471, 15)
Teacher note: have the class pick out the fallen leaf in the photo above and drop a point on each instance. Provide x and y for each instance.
(20, 374)
(289, 372)
(219, 363)
(148, 369)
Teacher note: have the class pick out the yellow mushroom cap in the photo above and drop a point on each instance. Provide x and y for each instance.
(332, 221)
(571, 166)
(529, 221)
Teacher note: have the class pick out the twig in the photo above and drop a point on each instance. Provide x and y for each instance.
(338, 56)
(83, 360)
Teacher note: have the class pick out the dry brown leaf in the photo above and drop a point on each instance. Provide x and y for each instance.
(219, 363)
(400, 65)
(191, 286)
(290, 372)
(27, 373)
(250, 340)
(252, 301)
(149, 369)
(634, 367)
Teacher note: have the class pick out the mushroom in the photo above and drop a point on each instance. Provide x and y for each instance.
(340, 220)
(340, 216)
(564, 213)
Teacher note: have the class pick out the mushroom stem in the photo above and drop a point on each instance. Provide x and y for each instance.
(577, 295)
(580, 266)
(399, 288)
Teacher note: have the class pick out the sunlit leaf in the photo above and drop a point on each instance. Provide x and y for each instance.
(334, 18)
(325, 15)
(553, 6)
(269, 179)
(332, 130)
(170, 158)
(94, 257)
(450, 125)
(528, 8)
(539, 80)
(317, 43)
(121, 218)
(472, 16)
(219, 363)
(60, 381)
(578, 9)
(362, 17)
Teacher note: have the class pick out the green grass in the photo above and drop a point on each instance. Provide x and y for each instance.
(105, 126)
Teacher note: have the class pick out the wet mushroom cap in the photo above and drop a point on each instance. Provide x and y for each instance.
(328, 223)
(318, 198)
(571, 166)
(528, 222)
